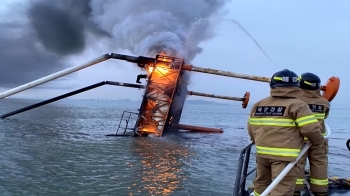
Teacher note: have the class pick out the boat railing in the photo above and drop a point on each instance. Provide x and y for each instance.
(243, 162)
(241, 176)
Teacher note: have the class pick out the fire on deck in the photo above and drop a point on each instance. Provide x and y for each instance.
(164, 98)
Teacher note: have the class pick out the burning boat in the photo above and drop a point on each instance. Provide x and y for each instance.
(164, 97)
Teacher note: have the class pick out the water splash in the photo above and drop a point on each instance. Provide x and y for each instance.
(204, 21)
(188, 43)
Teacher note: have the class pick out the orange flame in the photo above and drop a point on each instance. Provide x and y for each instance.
(158, 70)
(149, 129)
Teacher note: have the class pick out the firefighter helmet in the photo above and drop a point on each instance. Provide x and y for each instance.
(310, 81)
(284, 78)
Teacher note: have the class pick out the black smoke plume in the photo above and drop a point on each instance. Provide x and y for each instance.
(52, 30)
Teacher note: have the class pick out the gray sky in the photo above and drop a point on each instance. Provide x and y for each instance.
(304, 36)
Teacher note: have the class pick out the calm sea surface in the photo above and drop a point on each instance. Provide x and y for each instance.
(60, 149)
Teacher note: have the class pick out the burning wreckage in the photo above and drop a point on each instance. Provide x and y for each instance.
(164, 96)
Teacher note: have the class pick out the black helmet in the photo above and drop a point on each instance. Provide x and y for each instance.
(284, 78)
(310, 81)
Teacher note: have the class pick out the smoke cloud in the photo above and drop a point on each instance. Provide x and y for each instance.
(21, 60)
(149, 27)
(37, 44)
(53, 30)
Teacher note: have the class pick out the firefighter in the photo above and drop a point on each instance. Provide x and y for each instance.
(317, 154)
(277, 125)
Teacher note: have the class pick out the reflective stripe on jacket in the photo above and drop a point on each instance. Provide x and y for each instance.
(318, 105)
(278, 124)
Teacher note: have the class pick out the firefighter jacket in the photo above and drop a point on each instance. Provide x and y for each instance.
(318, 105)
(278, 124)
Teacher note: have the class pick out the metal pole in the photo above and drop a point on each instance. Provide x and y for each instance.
(125, 84)
(232, 74)
(226, 73)
(70, 94)
(291, 164)
(215, 96)
(141, 60)
(53, 76)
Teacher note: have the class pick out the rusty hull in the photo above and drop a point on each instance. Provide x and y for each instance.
(197, 128)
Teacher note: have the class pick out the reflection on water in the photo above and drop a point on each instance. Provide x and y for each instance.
(60, 149)
(162, 165)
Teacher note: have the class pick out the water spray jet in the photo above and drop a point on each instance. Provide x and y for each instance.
(203, 21)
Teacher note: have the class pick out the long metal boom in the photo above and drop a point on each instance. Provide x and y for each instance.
(71, 94)
(226, 73)
(53, 76)
(141, 61)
